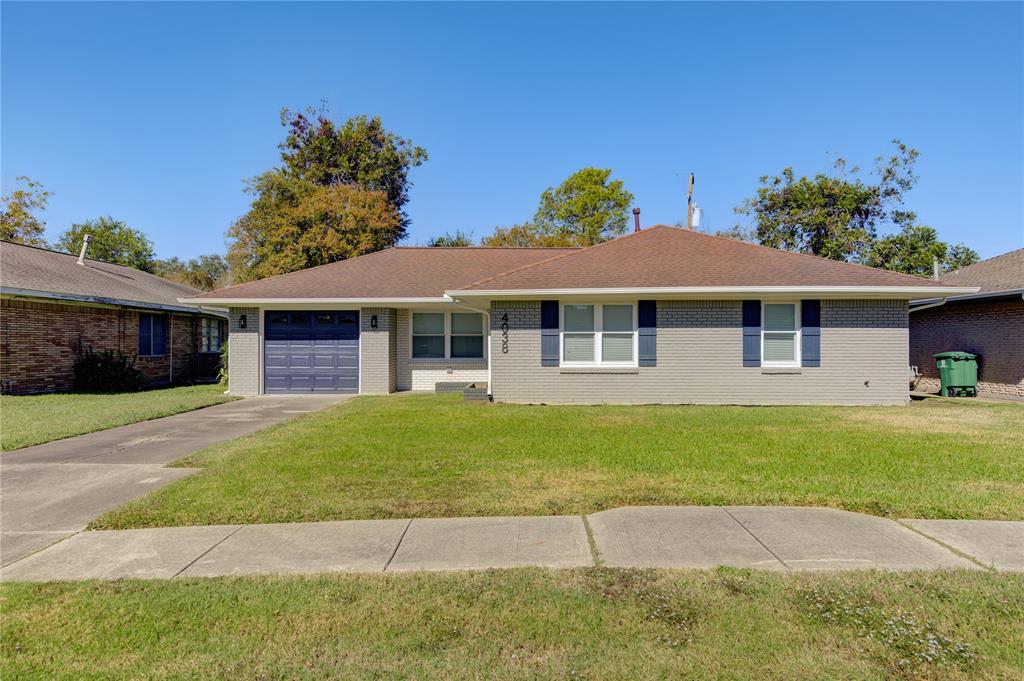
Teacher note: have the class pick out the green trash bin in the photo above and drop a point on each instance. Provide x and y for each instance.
(958, 373)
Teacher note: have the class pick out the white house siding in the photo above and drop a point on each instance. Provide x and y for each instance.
(700, 360)
(244, 349)
(422, 375)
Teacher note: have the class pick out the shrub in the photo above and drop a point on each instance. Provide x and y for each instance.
(106, 371)
(222, 373)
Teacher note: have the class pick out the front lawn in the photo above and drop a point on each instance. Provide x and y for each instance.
(522, 624)
(33, 419)
(434, 456)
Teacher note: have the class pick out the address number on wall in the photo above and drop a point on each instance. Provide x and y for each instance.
(504, 334)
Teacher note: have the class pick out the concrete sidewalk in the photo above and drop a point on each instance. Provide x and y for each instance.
(54, 490)
(771, 538)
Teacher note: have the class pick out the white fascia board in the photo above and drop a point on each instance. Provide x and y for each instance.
(909, 292)
(313, 302)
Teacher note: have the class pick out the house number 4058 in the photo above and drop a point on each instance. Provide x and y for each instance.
(504, 334)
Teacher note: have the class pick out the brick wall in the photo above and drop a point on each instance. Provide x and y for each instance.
(244, 350)
(38, 342)
(699, 360)
(378, 349)
(994, 330)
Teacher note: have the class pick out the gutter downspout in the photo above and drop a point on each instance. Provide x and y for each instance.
(925, 307)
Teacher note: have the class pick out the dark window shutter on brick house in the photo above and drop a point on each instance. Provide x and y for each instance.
(810, 333)
(549, 333)
(751, 333)
(647, 325)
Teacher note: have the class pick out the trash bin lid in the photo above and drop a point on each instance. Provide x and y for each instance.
(954, 354)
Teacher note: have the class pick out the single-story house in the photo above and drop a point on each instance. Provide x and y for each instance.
(52, 304)
(989, 323)
(662, 315)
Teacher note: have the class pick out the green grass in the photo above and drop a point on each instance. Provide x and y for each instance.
(522, 624)
(34, 419)
(435, 456)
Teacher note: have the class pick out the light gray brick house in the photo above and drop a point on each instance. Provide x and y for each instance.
(664, 315)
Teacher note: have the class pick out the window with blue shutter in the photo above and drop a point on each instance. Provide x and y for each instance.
(549, 333)
(751, 333)
(810, 333)
(152, 334)
(647, 330)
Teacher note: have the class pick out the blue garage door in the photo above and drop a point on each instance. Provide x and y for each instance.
(311, 352)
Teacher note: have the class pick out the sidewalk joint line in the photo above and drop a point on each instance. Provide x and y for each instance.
(952, 549)
(196, 559)
(64, 538)
(397, 544)
(756, 538)
(594, 552)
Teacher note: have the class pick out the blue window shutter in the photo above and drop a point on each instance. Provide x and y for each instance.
(810, 333)
(549, 333)
(159, 334)
(751, 333)
(647, 325)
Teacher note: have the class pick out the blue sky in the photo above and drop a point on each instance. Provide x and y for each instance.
(155, 113)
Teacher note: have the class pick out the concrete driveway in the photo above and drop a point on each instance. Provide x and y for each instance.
(53, 490)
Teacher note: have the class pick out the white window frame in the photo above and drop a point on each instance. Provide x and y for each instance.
(448, 337)
(598, 332)
(797, 333)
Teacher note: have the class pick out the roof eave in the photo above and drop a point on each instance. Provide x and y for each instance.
(908, 292)
(102, 300)
(265, 301)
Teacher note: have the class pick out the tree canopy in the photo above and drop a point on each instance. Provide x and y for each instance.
(18, 221)
(340, 193)
(585, 209)
(914, 250)
(839, 215)
(456, 239)
(112, 241)
(207, 272)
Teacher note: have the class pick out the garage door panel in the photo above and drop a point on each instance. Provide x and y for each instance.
(311, 352)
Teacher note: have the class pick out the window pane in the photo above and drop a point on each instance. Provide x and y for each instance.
(467, 322)
(468, 346)
(579, 347)
(617, 347)
(431, 347)
(278, 318)
(324, 318)
(780, 317)
(428, 322)
(779, 347)
(145, 334)
(617, 317)
(579, 317)
(300, 318)
(159, 335)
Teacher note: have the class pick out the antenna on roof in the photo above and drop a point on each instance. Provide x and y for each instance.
(85, 247)
(690, 206)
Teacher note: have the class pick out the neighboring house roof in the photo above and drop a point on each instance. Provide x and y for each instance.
(38, 272)
(656, 261)
(1002, 273)
(395, 273)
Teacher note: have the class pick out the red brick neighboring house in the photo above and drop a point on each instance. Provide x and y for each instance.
(989, 323)
(50, 304)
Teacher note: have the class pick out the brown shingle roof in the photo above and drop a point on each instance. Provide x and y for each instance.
(1002, 273)
(36, 269)
(392, 273)
(670, 257)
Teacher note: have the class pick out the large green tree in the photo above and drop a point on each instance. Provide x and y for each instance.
(112, 241)
(834, 215)
(293, 225)
(456, 239)
(18, 220)
(915, 249)
(585, 209)
(340, 192)
(207, 272)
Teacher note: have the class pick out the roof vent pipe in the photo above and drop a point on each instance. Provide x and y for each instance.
(85, 247)
(636, 219)
(935, 269)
